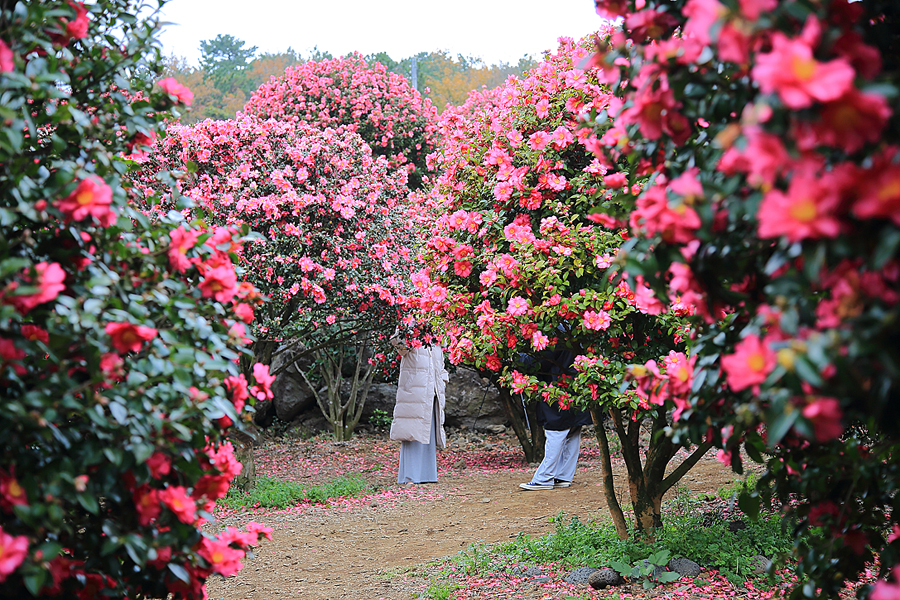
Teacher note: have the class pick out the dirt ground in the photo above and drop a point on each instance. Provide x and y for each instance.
(365, 549)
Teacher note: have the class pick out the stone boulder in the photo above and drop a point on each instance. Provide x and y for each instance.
(684, 567)
(605, 577)
(473, 401)
(579, 576)
(291, 394)
(760, 564)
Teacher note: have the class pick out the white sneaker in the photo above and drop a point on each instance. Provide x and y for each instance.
(532, 487)
(559, 483)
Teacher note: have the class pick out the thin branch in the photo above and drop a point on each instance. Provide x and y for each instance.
(684, 467)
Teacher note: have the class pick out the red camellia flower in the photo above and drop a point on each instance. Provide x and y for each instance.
(78, 28)
(222, 558)
(751, 363)
(92, 198)
(170, 86)
(220, 283)
(129, 338)
(176, 498)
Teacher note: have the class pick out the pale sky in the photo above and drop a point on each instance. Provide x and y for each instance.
(493, 30)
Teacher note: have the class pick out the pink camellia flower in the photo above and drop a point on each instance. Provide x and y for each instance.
(7, 62)
(879, 195)
(462, 268)
(170, 86)
(675, 224)
(91, 198)
(751, 363)
(127, 337)
(182, 240)
(176, 498)
(219, 283)
(517, 306)
(805, 211)
(679, 372)
(615, 180)
(237, 386)
(262, 390)
(702, 15)
(883, 590)
(597, 320)
(852, 120)
(244, 312)
(50, 277)
(13, 550)
(825, 414)
(222, 558)
(612, 9)
(799, 79)
(539, 341)
(259, 528)
(538, 140)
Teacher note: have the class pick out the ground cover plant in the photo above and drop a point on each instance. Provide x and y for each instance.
(269, 492)
(117, 361)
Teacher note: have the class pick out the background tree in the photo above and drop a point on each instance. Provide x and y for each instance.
(226, 62)
(789, 173)
(364, 98)
(516, 264)
(335, 245)
(118, 337)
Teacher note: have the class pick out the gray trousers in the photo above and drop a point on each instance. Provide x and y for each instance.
(418, 461)
(560, 456)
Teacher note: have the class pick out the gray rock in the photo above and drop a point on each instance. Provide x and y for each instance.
(657, 571)
(291, 394)
(684, 567)
(579, 576)
(759, 564)
(533, 572)
(471, 401)
(605, 577)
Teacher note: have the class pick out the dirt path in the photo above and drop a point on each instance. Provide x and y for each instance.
(359, 551)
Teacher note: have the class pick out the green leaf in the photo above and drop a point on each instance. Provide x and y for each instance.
(179, 572)
(749, 504)
(88, 502)
(668, 577)
(34, 581)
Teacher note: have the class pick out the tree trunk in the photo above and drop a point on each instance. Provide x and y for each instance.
(609, 487)
(524, 422)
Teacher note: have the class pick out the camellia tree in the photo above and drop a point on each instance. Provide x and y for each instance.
(117, 353)
(382, 107)
(520, 264)
(774, 206)
(335, 241)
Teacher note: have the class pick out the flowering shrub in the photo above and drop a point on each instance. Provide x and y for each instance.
(517, 264)
(380, 106)
(773, 206)
(333, 252)
(118, 366)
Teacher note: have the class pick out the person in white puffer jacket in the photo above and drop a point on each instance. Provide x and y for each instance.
(419, 412)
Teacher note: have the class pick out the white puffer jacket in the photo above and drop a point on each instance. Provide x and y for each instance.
(422, 377)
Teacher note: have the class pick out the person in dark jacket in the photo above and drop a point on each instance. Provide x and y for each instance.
(562, 429)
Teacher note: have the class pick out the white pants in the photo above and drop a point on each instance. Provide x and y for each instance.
(560, 456)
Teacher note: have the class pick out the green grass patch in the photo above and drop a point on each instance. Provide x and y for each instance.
(686, 532)
(278, 493)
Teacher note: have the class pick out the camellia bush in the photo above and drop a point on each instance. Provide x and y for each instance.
(335, 243)
(118, 357)
(382, 107)
(773, 205)
(520, 264)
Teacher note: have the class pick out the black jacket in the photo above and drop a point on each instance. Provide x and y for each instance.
(553, 364)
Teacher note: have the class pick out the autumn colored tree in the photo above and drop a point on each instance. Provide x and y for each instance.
(770, 134)
(364, 98)
(335, 244)
(518, 262)
(117, 348)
